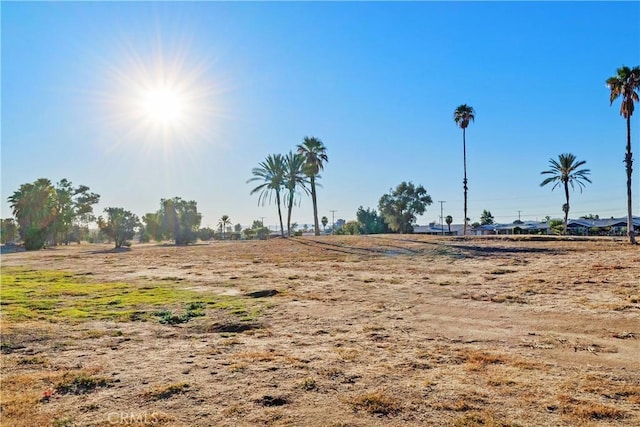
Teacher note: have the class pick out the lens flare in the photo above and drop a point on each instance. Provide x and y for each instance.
(161, 98)
(163, 105)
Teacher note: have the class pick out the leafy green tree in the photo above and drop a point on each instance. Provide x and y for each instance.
(315, 154)
(249, 233)
(449, 220)
(294, 178)
(462, 115)
(400, 207)
(34, 207)
(324, 221)
(556, 226)
(180, 220)
(370, 222)
(205, 234)
(223, 223)
(626, 84)
(565, 171)
(72, 203)
(271, 173)
(237, 228)
(257, 231)
(120, 225)
(9, 232)
(351, 227)
(486, 218)
(152, 227)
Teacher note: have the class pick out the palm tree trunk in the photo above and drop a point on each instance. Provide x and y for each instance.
(315, 206)
(629, 162)
(566, 210)
(289, 214)
(279, 213)
(464, 181)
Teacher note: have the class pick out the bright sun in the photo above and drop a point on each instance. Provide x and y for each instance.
(163, 106)
(163, 100)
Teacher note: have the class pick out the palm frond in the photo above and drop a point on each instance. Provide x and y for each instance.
(565, 169)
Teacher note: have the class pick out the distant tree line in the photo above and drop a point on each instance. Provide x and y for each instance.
(50, 215)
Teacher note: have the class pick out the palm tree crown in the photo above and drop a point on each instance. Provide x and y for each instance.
(463, 115)
(565, 171)
(625, 84)
(315, 155)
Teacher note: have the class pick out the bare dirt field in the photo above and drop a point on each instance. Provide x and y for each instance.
(324, 331)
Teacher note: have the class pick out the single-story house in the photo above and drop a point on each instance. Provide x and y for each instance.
(444, 230)
(524, 227)
(601, 227)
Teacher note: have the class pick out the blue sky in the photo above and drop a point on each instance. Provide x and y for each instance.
(376, 81)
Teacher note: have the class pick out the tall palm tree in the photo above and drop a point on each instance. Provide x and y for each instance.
(565, 171)
(315, 154)
(294, 178)
(462, 116)
(271, 173)
(626, 84)
(448, 219)
(224, 222)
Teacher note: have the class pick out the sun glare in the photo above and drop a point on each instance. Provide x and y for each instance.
(166, 99)
(163, 105)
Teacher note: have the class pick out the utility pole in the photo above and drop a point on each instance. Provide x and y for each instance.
(519, 216)
(441, 216)
(262, 220)
(333, 220)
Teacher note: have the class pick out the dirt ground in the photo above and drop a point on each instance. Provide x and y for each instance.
(344, 331)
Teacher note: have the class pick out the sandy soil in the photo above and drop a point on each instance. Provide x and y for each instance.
(363, 331)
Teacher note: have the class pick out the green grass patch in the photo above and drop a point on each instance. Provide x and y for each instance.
(167, 317)
(58, 296)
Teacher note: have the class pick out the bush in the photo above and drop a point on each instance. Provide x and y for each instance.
(194, 309)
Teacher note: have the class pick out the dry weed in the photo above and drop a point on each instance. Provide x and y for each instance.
(378, 402)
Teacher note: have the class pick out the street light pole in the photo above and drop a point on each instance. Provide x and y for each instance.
(333, 220)
(441, 216)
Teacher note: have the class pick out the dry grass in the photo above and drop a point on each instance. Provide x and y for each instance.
(482, 419)
(328, 331)
(166, 391)
(378, 402)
